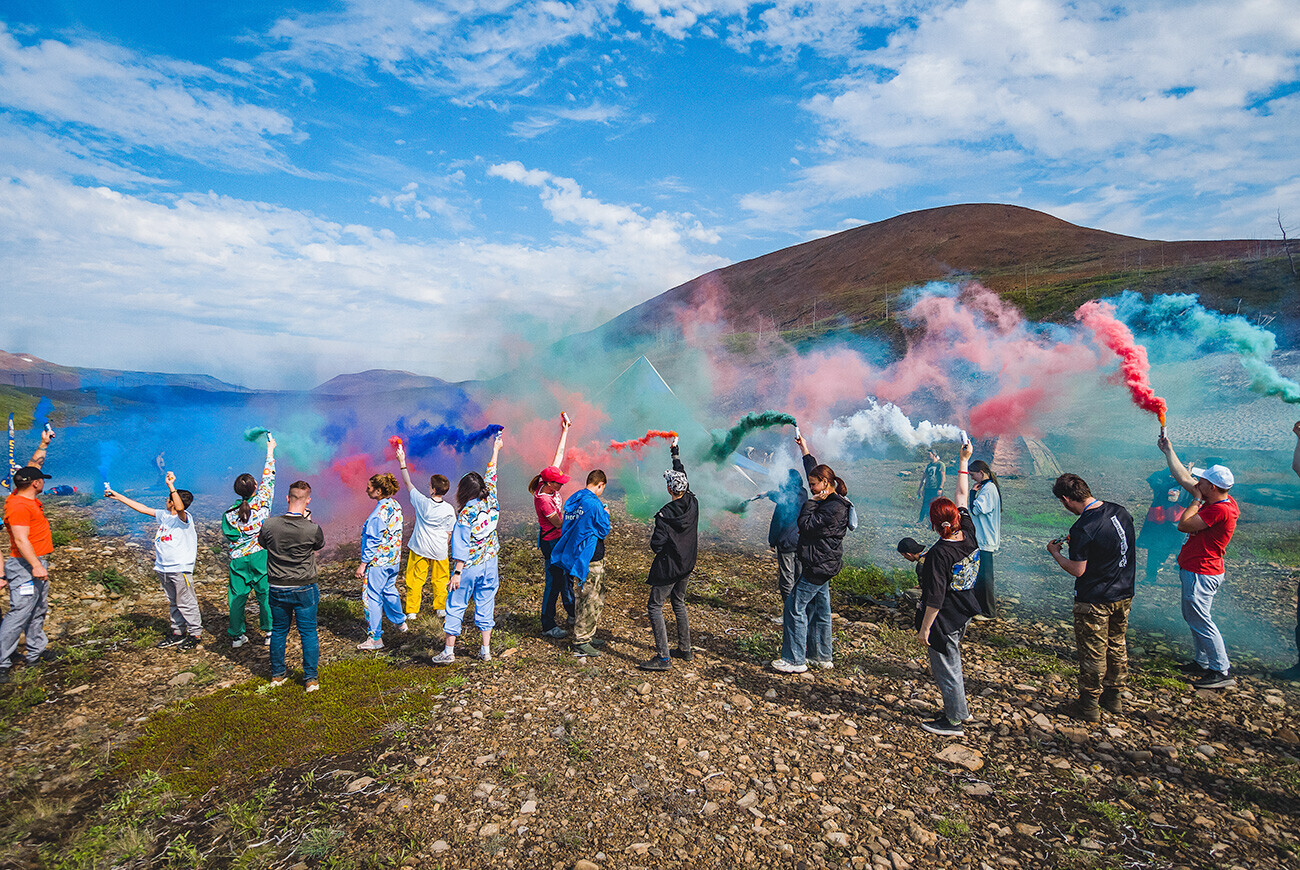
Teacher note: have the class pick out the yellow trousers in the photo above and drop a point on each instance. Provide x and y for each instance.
(418, 571)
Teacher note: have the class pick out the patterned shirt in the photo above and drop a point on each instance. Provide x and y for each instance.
(243, 536)
(381, 536)
(475, 538)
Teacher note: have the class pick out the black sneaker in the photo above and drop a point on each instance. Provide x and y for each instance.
(171, 640)
(1292, 674)
(188, 643)
(1192, 668)
(46, 657)
(655, 664)
(1215, 680)
(944, 728)
(683, 654)
(5, 674)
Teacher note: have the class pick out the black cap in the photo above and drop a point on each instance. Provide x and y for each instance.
(910, 546)
(24, 477)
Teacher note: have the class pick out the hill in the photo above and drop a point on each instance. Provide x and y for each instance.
(28, 371)
(1045, 265)
(378, 381)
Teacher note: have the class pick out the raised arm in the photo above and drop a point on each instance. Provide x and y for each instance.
(129, 502)
(564, 439)
(491, 477)
(265, 495)
(401, 463)
(38, 456)
(963, 477)
(677, 460)
(1176, 467)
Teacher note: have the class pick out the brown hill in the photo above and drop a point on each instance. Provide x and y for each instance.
(25, 370)
(1046, 265)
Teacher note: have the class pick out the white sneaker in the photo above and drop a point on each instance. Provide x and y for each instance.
(485, 655)
(445, 657)
(371, 644)
(276, 682)
(788, 667)
(556, 631)
(440, 613)
(266, 641)
(411, 616)
(313, 686)
(776, 620)
(825, 666)
(404, 627)
(239, 641)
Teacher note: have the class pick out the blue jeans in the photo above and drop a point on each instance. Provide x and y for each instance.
(807, 630)
(558, 586)
(381, 599)
(286, 606)
(1207, 643)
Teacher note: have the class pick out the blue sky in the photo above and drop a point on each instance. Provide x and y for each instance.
(279, 193)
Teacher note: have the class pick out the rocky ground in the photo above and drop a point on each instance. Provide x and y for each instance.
(539, 759)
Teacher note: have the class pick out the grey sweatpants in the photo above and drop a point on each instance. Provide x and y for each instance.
(787, 572)
(946, 668)
(182, 601)
(28, 604)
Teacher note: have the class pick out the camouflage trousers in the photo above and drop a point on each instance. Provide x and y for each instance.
(589, 602)
(1099, 630)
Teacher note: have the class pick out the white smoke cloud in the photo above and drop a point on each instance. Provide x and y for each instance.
(880, 425)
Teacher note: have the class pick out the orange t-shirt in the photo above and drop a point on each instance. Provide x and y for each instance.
(23, 511)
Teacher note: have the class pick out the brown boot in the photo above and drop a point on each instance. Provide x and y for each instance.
(1111, 700)
(1085, 710)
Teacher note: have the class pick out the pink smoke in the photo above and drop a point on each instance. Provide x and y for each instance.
(1134, 366)
(1009, 413)
(636, 445)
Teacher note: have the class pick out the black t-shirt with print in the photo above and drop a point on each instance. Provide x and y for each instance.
(1103, 536)
(947, 581)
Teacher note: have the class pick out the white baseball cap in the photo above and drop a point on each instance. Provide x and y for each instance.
(1218, 475)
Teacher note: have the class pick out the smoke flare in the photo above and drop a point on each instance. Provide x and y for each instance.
(725, 443)
(1134, 365)
(637, 444)
(252, 433)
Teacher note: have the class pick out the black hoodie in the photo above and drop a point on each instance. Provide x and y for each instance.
(675, 540)
(822, 526)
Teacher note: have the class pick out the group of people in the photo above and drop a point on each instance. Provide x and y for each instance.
(454, 550)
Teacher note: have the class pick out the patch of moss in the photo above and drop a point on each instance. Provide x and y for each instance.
(191, 744)
(871, 581)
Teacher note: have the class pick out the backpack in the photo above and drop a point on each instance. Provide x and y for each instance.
(853, 517)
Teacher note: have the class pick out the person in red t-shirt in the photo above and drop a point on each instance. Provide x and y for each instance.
(545, 489)
(1208, 522)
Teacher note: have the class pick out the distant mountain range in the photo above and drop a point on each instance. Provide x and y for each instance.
(31, 372)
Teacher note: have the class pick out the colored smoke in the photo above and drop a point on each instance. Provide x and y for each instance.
(637, 444)
(108, 451)
(881, 425)
(252, 433)
(352, 471)
(1011, 412)
(1134, 366)
(422, 438)
(41, 414)
(725, 443)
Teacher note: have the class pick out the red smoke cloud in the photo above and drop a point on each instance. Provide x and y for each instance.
(637, 444)
(1134, 366)
(1010, 413)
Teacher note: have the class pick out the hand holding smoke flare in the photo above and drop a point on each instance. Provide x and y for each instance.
(637, 444)
(725, 443)
(1134, 365)
(421, 438)
(565, 422)
(252, 433)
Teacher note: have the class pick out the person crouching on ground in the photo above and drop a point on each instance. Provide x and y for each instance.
(474, 548)
(381, 552)
(675, 542)
(580, 550)
(176, 546)
(1101, 560)
(240, 525)
(948, 599)
(823, 523)
(426, 551)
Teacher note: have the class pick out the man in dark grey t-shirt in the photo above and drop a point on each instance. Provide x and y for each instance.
(291, 541)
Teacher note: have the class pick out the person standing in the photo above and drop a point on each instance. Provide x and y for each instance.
(291, 542)
(783, 533)
(948, 575)
(27, 569)
(176, 547)
(1293, 672)
(675, 543)
(1159, 535)
(428, 549)
(986, 513)
(823, 523)
(474, 548)
(1101, 561)
(239, 525)
(580, 552)
(545, 490)
(933, 478)
(1208, 522)
(381, 553)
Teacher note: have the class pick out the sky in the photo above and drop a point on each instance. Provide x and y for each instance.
(276, 194)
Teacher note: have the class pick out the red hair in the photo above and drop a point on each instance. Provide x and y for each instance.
(944, 518)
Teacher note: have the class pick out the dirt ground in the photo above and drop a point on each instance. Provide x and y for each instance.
(541, 759)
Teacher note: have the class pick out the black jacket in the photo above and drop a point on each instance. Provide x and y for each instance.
(783, 532)
(675, 540)
(822, 526)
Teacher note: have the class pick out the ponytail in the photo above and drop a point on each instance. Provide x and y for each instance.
(534, 484)
(245, 486)
(826, 474)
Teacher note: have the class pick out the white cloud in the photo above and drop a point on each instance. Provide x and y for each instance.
(114, 97)
(545, 119)
(108, 278)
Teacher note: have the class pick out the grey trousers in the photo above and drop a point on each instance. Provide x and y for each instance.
(28, 604)
(946, 668)
(182, 601)
(660, 594)
(787, 572)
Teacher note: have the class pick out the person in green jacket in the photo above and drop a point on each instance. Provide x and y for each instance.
(240, 524)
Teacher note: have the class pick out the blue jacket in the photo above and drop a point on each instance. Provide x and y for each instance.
(586, 522)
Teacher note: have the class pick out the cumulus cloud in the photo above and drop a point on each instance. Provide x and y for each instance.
(245, 287)
(116, 97)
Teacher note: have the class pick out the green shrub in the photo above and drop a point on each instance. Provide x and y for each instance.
(864, 581)
(110, 578)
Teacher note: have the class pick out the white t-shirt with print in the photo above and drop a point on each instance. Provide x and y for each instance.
(175, 544)
(434, 521)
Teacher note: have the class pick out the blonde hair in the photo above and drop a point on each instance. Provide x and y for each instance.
(385, 483)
